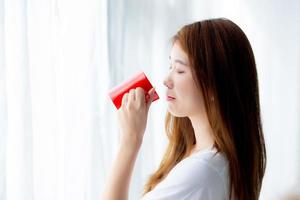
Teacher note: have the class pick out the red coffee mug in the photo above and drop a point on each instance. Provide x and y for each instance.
(138, 80)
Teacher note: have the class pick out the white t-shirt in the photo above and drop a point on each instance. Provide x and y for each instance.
(202, 176)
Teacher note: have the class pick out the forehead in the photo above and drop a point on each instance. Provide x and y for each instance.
(178, 52)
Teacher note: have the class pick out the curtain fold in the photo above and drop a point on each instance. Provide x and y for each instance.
(3, 120)
(17, 92)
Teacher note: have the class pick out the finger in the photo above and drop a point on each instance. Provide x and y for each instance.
(151, 97)
(148, 94)
(131, 96)
(140, 94)
(125, 99)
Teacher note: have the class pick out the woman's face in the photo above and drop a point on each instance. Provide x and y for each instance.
(184, 98)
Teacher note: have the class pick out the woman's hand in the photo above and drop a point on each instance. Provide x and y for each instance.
(133, 116)
(133, 120)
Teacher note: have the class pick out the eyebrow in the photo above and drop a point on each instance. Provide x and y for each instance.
(179, 61)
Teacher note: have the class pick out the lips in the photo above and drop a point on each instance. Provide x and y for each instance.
(170, 98)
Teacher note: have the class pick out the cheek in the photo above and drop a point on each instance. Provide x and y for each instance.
(188, 93)
(187, 88)
(191, 96)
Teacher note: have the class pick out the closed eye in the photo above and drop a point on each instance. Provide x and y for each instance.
(178, 71)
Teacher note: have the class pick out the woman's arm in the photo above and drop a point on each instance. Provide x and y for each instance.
(119, 179)
(133, 119)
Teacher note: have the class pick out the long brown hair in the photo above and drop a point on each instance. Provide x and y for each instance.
(224, 69)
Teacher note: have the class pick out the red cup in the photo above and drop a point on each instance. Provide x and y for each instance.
(138, 80)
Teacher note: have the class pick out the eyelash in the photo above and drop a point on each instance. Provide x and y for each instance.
(179, 72)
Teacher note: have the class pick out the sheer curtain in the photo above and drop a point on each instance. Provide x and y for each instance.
(54, 77)
(58, 58)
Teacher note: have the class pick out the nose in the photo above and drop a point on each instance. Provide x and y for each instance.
(168, 82)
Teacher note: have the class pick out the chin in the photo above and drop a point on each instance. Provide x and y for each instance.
(176, 113)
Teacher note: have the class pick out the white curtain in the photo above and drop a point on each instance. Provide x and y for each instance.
(58, 58)
(54, 77)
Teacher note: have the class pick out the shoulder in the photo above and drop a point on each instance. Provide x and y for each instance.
(203, 169)
(211, 162)
(205, 172)
(200, 176)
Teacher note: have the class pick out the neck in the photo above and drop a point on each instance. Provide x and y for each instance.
(203, 132)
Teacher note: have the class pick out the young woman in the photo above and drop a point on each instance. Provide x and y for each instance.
(216, 146)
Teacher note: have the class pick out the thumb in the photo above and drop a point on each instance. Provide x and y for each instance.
(151, 97)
